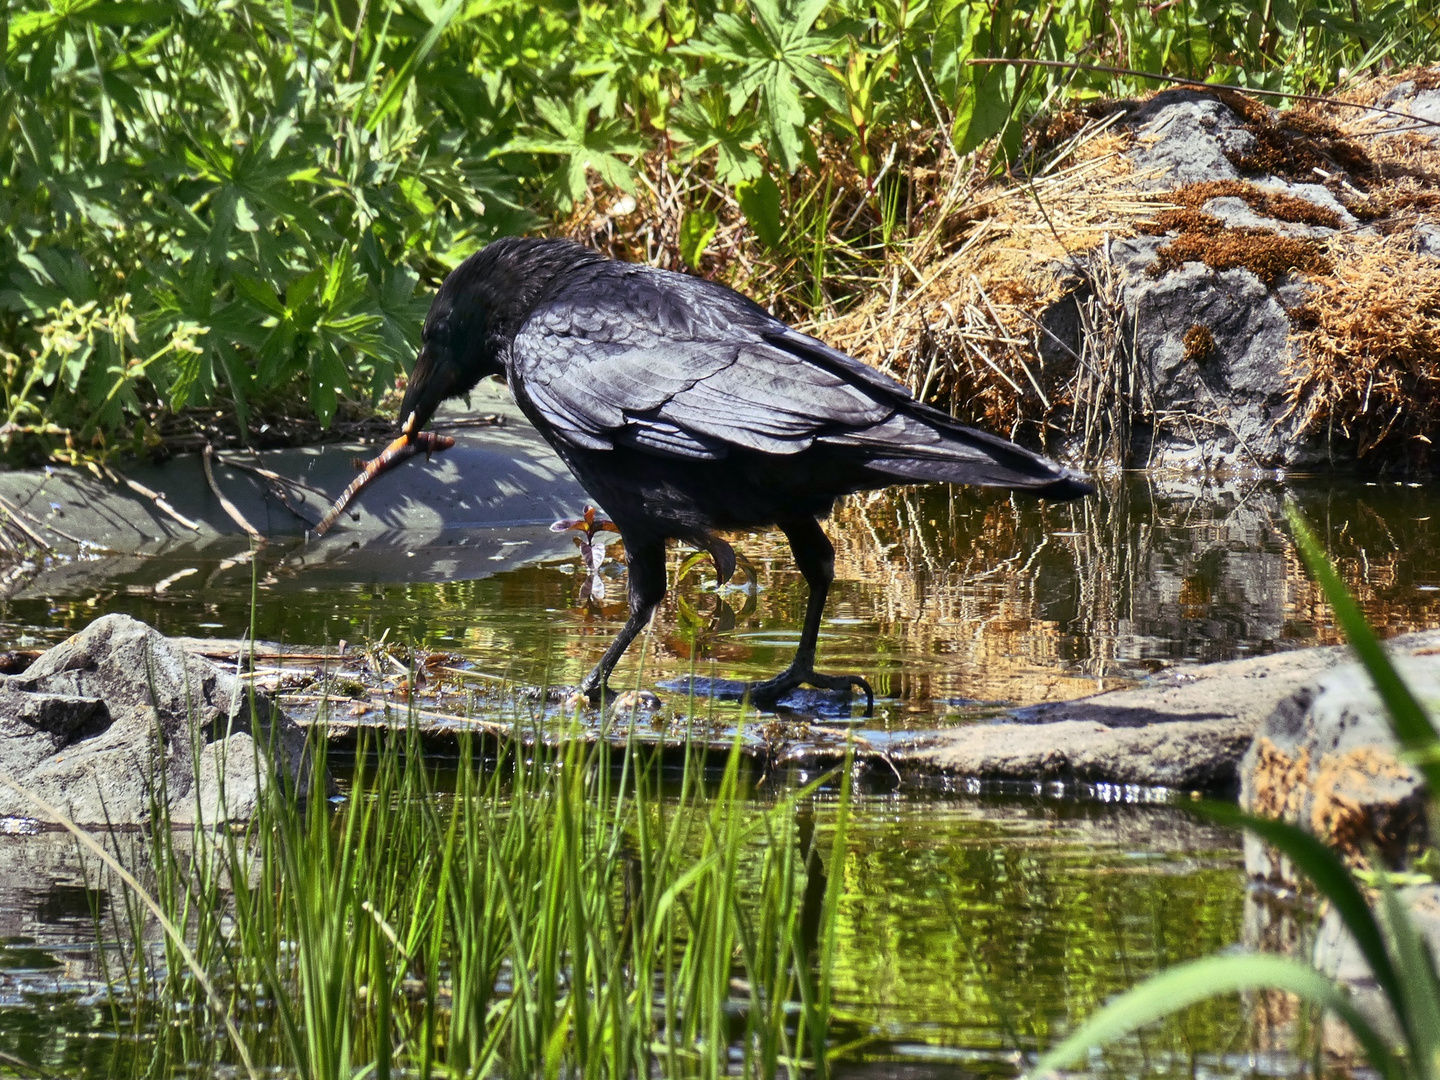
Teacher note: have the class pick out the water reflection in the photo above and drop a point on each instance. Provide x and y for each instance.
(946, 599)
(987, 928)
(968, 930)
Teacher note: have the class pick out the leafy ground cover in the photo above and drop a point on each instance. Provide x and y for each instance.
(225, 215)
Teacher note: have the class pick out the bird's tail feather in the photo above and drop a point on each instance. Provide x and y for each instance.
(927, 446)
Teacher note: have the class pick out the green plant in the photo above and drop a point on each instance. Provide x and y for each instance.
(1401, 962)
(280, 186)
(562, 910)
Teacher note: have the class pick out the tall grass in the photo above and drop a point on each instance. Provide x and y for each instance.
(570, 910)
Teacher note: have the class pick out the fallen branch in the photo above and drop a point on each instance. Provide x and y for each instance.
(231, 510)
(121, 480)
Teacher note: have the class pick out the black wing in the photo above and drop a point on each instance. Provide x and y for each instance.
(628, 355)
(684, 367)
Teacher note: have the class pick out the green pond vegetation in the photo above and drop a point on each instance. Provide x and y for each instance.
(225, 216)
(588, 911)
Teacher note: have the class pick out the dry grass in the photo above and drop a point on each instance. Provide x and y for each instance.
(962, 327)
(1370, 343)
(952, 304)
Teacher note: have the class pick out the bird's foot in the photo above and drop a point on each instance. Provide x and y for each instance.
(568, 697)
(766, 694)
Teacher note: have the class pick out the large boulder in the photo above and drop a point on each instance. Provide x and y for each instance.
(1325, 759)
(118, 720)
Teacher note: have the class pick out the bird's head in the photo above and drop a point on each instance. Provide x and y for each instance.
(456, 352)
(476, 314)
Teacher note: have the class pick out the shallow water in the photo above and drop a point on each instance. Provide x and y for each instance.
(968, 930)
(949, 602)
(970, 927)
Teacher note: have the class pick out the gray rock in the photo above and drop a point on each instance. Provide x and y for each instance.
(1325, 759)
(118, 718)
(1225, 407)
(1182, 137)
(1187, 729)
(1406, 97)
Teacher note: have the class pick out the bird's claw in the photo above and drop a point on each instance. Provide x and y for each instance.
(767, 694)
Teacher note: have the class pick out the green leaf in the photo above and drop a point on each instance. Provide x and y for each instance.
(697, 229)
(395, 88)
(1178, 987)
(983, 109)
(1324, 869)
(954, 43)
(760, 202)
(1419, 1009)
(778, 54)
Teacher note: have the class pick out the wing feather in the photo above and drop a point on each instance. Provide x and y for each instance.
(678, 366)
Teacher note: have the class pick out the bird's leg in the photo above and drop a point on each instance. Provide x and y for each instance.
(815, 556)
(645, 561)
(723, 556)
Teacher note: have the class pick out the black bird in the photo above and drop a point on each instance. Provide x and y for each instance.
(685, 408)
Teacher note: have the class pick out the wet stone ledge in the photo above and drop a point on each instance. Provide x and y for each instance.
(1323, 756)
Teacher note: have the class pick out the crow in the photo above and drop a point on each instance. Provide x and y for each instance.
(685, 409)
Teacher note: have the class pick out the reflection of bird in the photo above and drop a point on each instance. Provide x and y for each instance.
(684, 408)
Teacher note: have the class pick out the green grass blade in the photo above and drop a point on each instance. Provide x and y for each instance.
(1408, 717)
(1173, 990)
(1313, 858)
(1417, 975)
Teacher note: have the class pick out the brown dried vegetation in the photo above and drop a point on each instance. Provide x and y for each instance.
(955, 308)
(1265, 254)
(1199, 343)
(1295, 143)
(1272, 204)
(1370, 343)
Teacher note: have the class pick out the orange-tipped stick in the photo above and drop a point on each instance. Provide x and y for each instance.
(402, 449)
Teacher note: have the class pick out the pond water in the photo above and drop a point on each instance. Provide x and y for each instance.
(969, 927)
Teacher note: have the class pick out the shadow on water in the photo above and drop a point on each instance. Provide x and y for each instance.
(968, 928)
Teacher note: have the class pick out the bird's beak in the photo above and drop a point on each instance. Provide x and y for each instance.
(430, 384)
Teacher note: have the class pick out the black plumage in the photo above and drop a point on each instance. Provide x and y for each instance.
(685, 408)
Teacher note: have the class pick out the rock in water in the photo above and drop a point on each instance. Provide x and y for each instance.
(119, 718)
(1326, 760)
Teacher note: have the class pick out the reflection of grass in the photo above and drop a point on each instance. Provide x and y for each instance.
(562, 911)
(982, 931)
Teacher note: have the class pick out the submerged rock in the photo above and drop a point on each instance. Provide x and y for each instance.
(119, 719)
